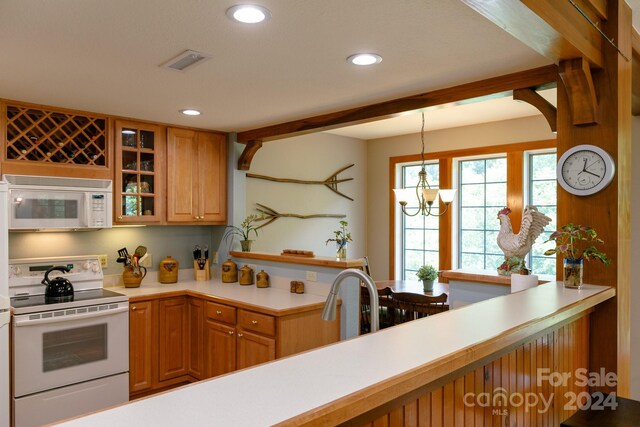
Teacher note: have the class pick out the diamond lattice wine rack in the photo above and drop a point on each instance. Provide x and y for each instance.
(39, 135)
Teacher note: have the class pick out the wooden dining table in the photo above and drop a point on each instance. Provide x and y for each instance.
(413, 286)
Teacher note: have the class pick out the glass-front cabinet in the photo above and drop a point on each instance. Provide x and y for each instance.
(138, 178)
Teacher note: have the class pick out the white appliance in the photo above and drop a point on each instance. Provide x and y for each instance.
(41, 202)
(71, 355)
(4, 309)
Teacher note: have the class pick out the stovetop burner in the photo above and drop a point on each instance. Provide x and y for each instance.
(36, 303)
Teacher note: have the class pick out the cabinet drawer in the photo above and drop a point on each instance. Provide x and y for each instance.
(221, 313)
(260, 323)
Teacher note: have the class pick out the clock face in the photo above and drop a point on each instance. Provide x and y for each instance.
(585, 169)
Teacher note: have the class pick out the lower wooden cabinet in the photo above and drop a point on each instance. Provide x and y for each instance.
(177, 340)
(141, 346)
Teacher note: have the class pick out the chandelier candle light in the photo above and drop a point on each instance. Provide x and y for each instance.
(426, 196)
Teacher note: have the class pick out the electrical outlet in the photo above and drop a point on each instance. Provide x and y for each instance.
(214, 257)
(312, 276)
(104, 261)
(148, 262)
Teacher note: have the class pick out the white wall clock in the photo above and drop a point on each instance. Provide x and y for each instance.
(585, 169)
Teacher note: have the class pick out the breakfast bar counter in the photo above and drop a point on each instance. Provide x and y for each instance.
(435, 360)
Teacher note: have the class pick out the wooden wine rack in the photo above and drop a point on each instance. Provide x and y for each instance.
(45, 136)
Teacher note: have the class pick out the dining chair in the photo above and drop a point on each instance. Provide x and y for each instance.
(409, 306)
(384, 296)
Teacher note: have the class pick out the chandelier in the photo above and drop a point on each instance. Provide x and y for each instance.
(425, 195)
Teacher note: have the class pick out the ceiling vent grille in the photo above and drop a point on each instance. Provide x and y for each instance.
(185, 60)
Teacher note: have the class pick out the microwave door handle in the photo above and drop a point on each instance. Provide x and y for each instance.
(28, 322)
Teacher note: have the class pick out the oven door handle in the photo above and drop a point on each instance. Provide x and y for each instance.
(67, 318)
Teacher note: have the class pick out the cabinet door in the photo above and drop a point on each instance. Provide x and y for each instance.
(254, 349)
(182, 176)
(139, 180)
(220, 348)
(141, 346)
(173, 333)
(212, 174)
(196, 338)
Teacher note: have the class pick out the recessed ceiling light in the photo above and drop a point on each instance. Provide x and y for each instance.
(190, 112)
(364, 59)
(248, 13)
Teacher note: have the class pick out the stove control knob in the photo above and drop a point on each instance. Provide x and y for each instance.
(95, 268)
(14, 270)
(86, 266)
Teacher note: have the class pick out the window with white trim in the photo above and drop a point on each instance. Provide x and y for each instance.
(542, 193)
(482, 193)
(420, 234)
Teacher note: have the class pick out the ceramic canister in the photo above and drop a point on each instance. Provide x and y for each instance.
(168, 272)
(262, 279)
(229, 271)
(246, 275)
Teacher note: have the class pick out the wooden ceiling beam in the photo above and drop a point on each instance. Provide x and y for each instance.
(553, 28)
(537, 77)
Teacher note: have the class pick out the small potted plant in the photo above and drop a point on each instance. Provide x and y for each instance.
(243, 232)
(428, 274)
(342, 237)
(576, 243)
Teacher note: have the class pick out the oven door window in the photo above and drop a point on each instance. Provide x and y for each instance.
(72, 347)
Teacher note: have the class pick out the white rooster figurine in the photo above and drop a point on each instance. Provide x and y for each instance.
(517, 246)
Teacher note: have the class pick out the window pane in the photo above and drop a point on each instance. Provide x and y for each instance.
(472, 171)
(472, 195)
(542, 194)
(472, 218)
(472, 241)
(420, 241)
(483, 192)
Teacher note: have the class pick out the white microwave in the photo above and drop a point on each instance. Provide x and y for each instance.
(42, 202)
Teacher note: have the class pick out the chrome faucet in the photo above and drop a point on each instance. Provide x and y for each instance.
(329, 311)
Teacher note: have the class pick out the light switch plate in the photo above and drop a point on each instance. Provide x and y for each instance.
(148, 262)
(312, 276)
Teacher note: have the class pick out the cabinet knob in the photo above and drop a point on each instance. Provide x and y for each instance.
(254, 322)
(240, 335)
(218, 312)
(230, 332)
(133, 308)
(119, 216)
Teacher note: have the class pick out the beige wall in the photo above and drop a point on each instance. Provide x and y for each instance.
(310, 157)
(380, 150)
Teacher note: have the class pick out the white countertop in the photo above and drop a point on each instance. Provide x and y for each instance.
(267, 298)
(279, 390)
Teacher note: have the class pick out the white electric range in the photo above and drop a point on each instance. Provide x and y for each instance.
(71, 355)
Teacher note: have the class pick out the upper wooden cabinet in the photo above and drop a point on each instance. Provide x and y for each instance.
(41, 140)
(196, 177)
(138, 188)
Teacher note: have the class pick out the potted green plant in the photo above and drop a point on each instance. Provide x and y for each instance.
(243, 232)
(576, 243)
(428, 274)
(342, 237)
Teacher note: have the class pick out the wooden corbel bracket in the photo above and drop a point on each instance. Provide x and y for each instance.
(547, 109)
(250, 150)
(578, 83)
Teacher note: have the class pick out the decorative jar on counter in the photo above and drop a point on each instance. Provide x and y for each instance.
(168, 272)
(229, 271)
(262, 279)
(246, 275)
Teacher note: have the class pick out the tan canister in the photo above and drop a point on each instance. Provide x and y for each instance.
(262, 279)
(229, 271)
(168, 272)
(246, 275)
